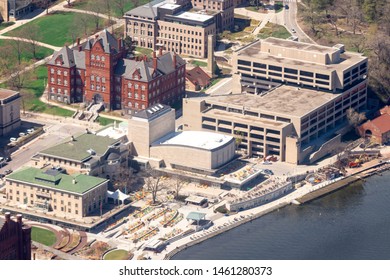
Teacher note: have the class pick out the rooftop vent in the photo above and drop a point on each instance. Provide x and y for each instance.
(91, 152)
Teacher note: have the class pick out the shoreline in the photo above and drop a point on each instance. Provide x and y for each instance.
(308, 194)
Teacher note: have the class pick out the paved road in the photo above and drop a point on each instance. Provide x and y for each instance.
(290, 20)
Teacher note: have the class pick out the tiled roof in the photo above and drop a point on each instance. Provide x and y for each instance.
(64, 182)
(66, 56)
(127, 67)
(198, 77)
(108, 41)
(382, 123)
(148, 10)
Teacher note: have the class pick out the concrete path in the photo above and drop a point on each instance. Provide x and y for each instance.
(29, 41)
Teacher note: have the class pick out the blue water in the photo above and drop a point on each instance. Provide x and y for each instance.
(353, 223)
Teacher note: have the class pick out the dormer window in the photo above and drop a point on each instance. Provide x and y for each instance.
(93, 56)
(103, 58)
(97, 57)
(52, 71)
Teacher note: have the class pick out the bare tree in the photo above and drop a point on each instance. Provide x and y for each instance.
(124, 182)
(31, 33)
(18, 75)
(18, 48)
(120, 4)
(96, 9)
(82, 20)
(354, 118)
(153, 183)
(177, 185)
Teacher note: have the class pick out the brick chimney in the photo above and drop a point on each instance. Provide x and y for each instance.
(19, 218)
(154, 61)
(120, 44)
(7, 216)
(174, 60)
(160, 51)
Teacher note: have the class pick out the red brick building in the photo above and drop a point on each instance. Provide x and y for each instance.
(378, 129)
(15, 239)
(98, 72)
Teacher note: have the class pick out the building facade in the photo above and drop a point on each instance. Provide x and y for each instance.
(11, 10)
(15, 239)
(9, 111)
(153, 137)
(55, 192)
(98, 73)
(377, 129)
(180, 26)
(281, 106)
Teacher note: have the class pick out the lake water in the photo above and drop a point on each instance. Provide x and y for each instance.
(353, 223)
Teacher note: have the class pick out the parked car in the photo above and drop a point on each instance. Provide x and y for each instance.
(268, 172)
(266, 162)
(13, 139)
(293, 30)
(31, 130)
(9, 171)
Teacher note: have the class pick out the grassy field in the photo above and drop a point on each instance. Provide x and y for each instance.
(117, 255)
(116, 11)
(33, 87)
(44, 236)
(54, 29)
(41, 52)
(274, 30)
(143, 51)
(105, 121)
(199, 63)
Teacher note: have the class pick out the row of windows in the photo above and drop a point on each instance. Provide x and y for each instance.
(97, 57)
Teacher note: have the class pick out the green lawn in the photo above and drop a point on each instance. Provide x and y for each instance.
(117, 255)
(56, 29)
(33, 87)
(143, 51)
(199, 63)
(44, 236)
(6, 24)
(27, 56)
(103, 121)
(274, 30)
(116, 11)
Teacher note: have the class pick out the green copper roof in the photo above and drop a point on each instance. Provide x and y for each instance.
(77, 149)
(58, 181)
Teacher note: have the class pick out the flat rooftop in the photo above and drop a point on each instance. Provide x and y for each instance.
(6, 93)
(77, 149)
(347, 59)
(61, 181)
(193, 16)
(284, 100)
(195, 139)
(169, 6)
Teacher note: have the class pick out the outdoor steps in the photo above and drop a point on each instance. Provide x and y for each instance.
(74, 241)
(82, 244)
(64, 239)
